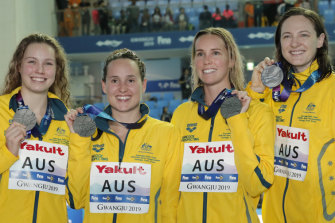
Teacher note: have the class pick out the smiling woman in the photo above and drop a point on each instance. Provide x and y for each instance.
(31, 157)
(138, 178)
(304, 106)
(228, 155)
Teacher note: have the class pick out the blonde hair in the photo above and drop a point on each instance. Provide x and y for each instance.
(60, 87)
(236, 76)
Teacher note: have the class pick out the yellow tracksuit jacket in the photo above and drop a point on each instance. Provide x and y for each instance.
(24, 206)
(252, 136)
(156, 143)
(311, 200)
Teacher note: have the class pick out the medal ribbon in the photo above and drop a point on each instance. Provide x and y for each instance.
(215, 106)
(92, 110)
(311, 80)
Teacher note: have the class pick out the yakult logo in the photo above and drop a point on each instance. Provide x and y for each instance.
(124, 170)
(212, 149)
(291, 135)
(45, 149)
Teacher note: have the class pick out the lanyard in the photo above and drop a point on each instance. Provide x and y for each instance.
(216, 104)
(92, 110)
(311, 80)
(37, 131)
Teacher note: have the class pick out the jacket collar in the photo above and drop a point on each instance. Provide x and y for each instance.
(302, 76)
(103, 125)
(57, 106)
(198, 95)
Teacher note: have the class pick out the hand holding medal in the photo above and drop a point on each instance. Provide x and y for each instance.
(25, 117)
(272, 75)
(80, 122)
(231, 106)
(84, 125)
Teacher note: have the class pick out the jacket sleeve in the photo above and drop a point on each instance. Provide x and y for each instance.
(7, 159)
(78, 170)
(257, 95)
(253, 138)
(171, 178)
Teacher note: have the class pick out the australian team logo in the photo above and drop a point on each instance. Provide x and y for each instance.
(60, 131)
(310, 107)
(146, 147)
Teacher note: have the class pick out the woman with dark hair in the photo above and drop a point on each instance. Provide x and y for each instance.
(304, 106)
(228, 138)
(33, 160)
(129, 170)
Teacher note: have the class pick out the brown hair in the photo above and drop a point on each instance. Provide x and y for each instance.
(126, 54)
(60, 87)
(321, 56)
(236, 76)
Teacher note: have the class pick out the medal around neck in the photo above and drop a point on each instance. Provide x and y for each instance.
(272, 76)
(84, 125)
(230, 107)
(25, 117)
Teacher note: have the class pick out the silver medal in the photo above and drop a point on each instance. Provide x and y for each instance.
(84, 125)
(25, 117)
(230, 107)
(272, 76)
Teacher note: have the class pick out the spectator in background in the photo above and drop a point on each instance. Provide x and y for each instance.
(133, 13)
(258, 11)
(112, 22)
(122, 23)
(303, 4)
(270, 10)
(156, 19)
(228, 19)
(205, 18)
(145, 21)
(217, 18)
(185, 83)
(168, 22)
(182, 19)
(68, 21)
(166, 115)
(249, 14)
(289, 4)
(76, 19)
(103, 20)
(61, 6)
(85, 17)
(95, 18)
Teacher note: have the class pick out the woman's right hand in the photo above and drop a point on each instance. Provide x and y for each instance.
(256, 81)
(15, 134)
(71, 116)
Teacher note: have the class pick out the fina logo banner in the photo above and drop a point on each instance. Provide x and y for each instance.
(166, 40)
(163, 85)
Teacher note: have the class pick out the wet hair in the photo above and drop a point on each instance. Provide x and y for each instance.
(124, 54)
(321, 56)
(236, 76)
(60, 87)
